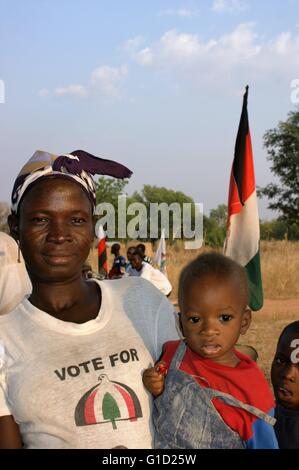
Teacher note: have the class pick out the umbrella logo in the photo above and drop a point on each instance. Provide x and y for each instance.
(108, 401)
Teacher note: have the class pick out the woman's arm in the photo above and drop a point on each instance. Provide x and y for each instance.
(10, 437)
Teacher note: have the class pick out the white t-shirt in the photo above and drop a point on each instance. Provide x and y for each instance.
(14, 280)
(74, 385)
(154, 276)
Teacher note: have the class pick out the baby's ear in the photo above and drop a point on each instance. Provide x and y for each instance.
(180, 325)
(246, 320)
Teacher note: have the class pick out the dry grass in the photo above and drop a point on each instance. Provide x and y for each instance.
(280, 269)
(279, 260)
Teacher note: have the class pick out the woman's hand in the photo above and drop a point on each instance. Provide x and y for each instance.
(10, 437)
(153, 378)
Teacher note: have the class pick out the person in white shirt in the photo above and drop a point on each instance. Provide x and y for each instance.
(72, 353)
(14, 280)
(146, 271)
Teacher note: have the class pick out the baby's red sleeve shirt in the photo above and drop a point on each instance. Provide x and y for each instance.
(245, 382)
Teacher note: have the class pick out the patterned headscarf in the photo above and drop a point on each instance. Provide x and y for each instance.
(78, 165)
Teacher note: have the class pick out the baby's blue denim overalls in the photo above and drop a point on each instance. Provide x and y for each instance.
(185, 417)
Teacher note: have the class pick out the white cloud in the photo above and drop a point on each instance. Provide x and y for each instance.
(181, 12)
(233, 57)
(44, 92)
(72, 90)
(108, 79)
(145, 56)
(285, 45)
(184, 48)
(231, 6)
(133, 44)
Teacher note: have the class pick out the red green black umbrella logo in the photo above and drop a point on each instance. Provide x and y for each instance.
(107, 401)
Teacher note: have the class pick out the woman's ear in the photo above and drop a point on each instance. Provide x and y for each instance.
(13, 223)
(94, 221)
(246, 320)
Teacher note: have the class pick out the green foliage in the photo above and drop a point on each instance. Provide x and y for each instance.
(108, 189)
(219, 215)
(215, 226)
(282, 145)
(279, 230)
(158, 195)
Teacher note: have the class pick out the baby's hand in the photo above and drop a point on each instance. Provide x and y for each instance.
(153, 378)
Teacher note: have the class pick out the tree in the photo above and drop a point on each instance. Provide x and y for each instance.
(215, 226)
(282, 145)
(174, 200)
(219, 215)
(108, 189)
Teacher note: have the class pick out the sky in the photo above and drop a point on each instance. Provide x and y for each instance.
(156, 85)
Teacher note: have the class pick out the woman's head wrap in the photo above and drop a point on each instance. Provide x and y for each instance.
(78, 166)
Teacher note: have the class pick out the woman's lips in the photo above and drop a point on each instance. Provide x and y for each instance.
(58, 259)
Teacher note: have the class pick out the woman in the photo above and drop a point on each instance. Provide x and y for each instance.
(72, 353)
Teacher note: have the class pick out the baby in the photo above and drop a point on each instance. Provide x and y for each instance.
(208, 394)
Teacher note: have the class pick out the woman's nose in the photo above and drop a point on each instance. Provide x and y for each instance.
(59, 232)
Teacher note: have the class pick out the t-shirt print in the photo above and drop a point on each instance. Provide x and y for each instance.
(108, 401)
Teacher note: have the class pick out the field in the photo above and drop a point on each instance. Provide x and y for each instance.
(280, 271)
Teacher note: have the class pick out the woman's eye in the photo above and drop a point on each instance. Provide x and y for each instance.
(39, 220)
(78, 220)
(225, 317)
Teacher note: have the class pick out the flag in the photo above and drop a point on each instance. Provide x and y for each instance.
(243, 231)
(160, 256)
(102, 253)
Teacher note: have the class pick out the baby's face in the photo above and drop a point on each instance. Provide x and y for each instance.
(285, 371)
(212, 318)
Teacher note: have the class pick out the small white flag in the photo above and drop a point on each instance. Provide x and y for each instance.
(160, 256)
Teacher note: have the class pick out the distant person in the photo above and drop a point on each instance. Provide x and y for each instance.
(119, 263)
(130, 252)
(14, 280)
(212, 395)
(146, 271)
(141, 249)
(285, 381)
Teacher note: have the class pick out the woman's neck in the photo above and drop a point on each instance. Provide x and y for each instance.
(75, 300)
